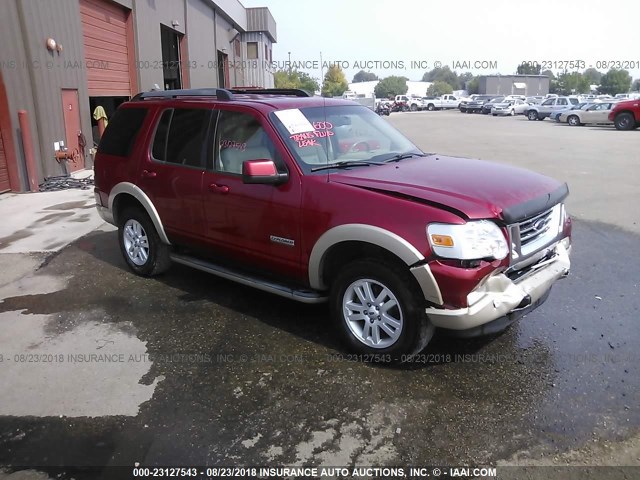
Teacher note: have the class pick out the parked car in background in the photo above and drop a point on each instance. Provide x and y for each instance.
(441, 103)
(475, 106)
(597, 113)
(486, 108)
(628, 96)
(534, 100)
(581, 106)
(515, 97)
(412, 103)
(463, 104)
(552, 104)
(509, 107)
(626, 115)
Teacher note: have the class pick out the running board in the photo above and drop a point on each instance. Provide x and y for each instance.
(304, 296)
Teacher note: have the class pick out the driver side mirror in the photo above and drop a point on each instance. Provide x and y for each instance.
(263, 172)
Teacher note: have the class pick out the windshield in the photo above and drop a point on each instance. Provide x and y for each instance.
(337, 134)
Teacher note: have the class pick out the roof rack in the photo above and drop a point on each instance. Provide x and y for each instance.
(220, 93)
(296, 92)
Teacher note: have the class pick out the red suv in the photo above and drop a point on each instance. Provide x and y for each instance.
(626, 115)
(319, 199)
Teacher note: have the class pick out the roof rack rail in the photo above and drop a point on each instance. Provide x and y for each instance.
(219, 93)
(295, 92)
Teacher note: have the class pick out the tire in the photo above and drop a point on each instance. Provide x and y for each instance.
(414, 107)
(463, 110)
(494, 114)
(532, 115)
(431, 107)
(573, 120)
(624, 121)
(512, 112)
(411, 329)
(140, 244)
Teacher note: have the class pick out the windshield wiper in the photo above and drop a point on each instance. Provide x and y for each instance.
(344, 164)
(402, 156)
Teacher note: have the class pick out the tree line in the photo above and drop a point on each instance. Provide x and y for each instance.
(444, 80)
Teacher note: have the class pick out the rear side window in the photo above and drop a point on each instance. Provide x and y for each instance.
(122, 131)
(179, 137)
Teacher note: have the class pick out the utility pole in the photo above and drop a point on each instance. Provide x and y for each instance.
(289, 63)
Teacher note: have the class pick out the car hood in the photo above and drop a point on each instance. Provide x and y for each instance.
(472, 189)
(502, 105)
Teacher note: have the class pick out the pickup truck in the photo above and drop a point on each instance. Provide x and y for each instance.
(412, 103)
(440, 103)
(550, 105)
(626, 115)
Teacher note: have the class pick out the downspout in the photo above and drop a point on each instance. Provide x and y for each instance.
(34, 91)
(215, 46)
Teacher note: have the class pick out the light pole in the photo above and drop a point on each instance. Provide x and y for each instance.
(289, 63)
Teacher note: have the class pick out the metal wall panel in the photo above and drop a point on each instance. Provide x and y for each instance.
(59, 20)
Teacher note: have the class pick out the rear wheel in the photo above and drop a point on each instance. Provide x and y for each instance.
(532, 115)
(431, 107)
(624, 121)
(414, 107)
(140, 243)
(379, 310)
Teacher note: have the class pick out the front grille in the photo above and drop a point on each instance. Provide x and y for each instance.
(535, 227)
(535, 233)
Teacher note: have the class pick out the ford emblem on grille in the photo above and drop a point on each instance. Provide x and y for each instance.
(539, 225)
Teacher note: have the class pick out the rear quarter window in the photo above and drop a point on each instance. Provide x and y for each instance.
(122, 132)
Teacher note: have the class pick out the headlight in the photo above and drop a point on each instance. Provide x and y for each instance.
(471, 241)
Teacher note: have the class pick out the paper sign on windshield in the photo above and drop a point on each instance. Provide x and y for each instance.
(294, 120)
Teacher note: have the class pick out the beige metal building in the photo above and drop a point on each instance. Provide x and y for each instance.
(528, 85)
(62, 59)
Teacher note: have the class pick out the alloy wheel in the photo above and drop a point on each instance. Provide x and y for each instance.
(136, 243)
(372, 313)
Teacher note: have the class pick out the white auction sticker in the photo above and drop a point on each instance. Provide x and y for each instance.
(294, 120)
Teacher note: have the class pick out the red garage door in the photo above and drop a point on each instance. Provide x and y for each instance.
(107, 48)
(4, 171)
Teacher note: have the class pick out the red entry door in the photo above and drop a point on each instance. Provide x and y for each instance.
(71, 113)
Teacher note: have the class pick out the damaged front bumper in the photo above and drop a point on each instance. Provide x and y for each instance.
(499, 301)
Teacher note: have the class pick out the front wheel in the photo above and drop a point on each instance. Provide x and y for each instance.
(140, 244)
(532, 115)
(573, 120)
(414, 107)
(379, 310)
(624, 121)
(431, 107)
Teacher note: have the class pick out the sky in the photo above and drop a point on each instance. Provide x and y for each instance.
(483, 37)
